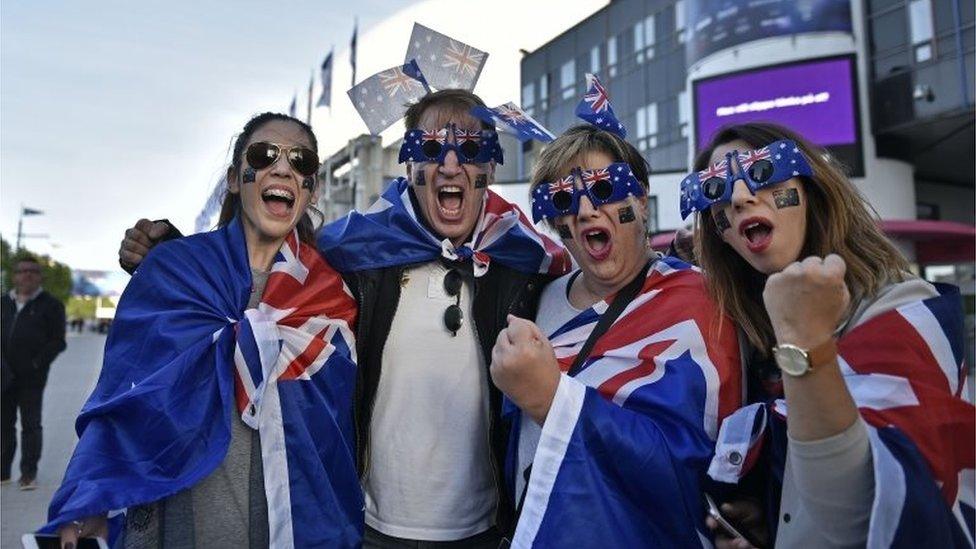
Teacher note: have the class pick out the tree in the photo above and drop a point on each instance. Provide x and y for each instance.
(57, 276)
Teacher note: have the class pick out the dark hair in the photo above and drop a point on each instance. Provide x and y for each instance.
(25, 257)
(839, 221)
(454, 100)
(232, 201)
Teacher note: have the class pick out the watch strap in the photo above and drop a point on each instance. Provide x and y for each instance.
(823, 353)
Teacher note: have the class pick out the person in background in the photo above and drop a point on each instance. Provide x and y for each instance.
(622, 379)
(223, 413)
(856, 365)
(33, 326)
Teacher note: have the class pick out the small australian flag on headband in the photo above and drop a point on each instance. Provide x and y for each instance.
(513, 119)
(382, 99)
(595, 108)
(446, 62)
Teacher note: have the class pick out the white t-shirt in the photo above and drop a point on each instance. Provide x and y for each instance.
(554, 311)
(430, 476)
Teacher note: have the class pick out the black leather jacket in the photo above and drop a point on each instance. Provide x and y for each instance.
(496, 294)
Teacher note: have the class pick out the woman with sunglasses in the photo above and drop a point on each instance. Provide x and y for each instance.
(620, 385)
(222, 416)
(856, 364)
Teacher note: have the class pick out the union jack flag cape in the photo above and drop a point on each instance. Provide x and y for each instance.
(184, 354)
(389, 233)
(626, 442)
(905, 369)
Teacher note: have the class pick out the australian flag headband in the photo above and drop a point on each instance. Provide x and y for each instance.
(595, 108)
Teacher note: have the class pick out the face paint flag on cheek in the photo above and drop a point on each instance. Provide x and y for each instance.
(626, 214)
(786, 198)
(595, 108)
(419, 179)
(249, 175)
(308, 183)
(480, 181)
(446, 62)
(564, 232)
(382, 99)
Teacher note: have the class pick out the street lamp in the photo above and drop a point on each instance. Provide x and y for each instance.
(25, 211)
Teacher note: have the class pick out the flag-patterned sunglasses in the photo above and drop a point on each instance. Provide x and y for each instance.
(769, 165)
(471, 147)
(603, 186)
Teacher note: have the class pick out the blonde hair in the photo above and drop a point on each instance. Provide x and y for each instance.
(839, 221)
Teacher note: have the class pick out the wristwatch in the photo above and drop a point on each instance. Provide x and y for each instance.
(795, 361)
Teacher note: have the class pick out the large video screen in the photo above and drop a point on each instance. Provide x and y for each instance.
(816, 98)
(720, 24)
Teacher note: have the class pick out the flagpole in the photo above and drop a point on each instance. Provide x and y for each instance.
(20, 226)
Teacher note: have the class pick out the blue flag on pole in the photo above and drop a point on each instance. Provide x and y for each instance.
(352, 51)
(325, 100)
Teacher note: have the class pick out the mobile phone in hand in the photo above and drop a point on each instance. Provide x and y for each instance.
(53, 541)
(725, 524)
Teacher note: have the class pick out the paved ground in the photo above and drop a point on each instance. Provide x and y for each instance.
(72, 378)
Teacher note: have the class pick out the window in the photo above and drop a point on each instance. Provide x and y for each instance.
(683, 110)
(639, 41)
(644, 38)
(920, 21)
(528, 96)
(679, 20)
(595, 59)
(647, 127)
(651, 215)
(567, 79)
(612, 56)
(649, 36)
(544, 92)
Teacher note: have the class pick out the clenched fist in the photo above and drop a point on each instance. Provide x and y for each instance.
(138, 240)
(524, 367)
(807, 300)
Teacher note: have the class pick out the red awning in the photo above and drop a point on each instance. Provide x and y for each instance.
(661, 241)
(935, 241)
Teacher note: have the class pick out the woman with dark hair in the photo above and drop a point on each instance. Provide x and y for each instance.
(222, 416)
(623, 378)
(856, 364)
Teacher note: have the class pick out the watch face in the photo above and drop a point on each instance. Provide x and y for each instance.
(791, 360)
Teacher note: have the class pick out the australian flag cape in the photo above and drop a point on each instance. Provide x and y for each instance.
(184, 357)
(389, 233)
(905, 369)
(627, 440)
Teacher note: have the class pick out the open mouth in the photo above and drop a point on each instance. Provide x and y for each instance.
(758, 233)
(450, 200)
(278, 201)
(597, 243)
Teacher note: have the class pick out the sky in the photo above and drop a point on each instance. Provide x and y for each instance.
(111, 111)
